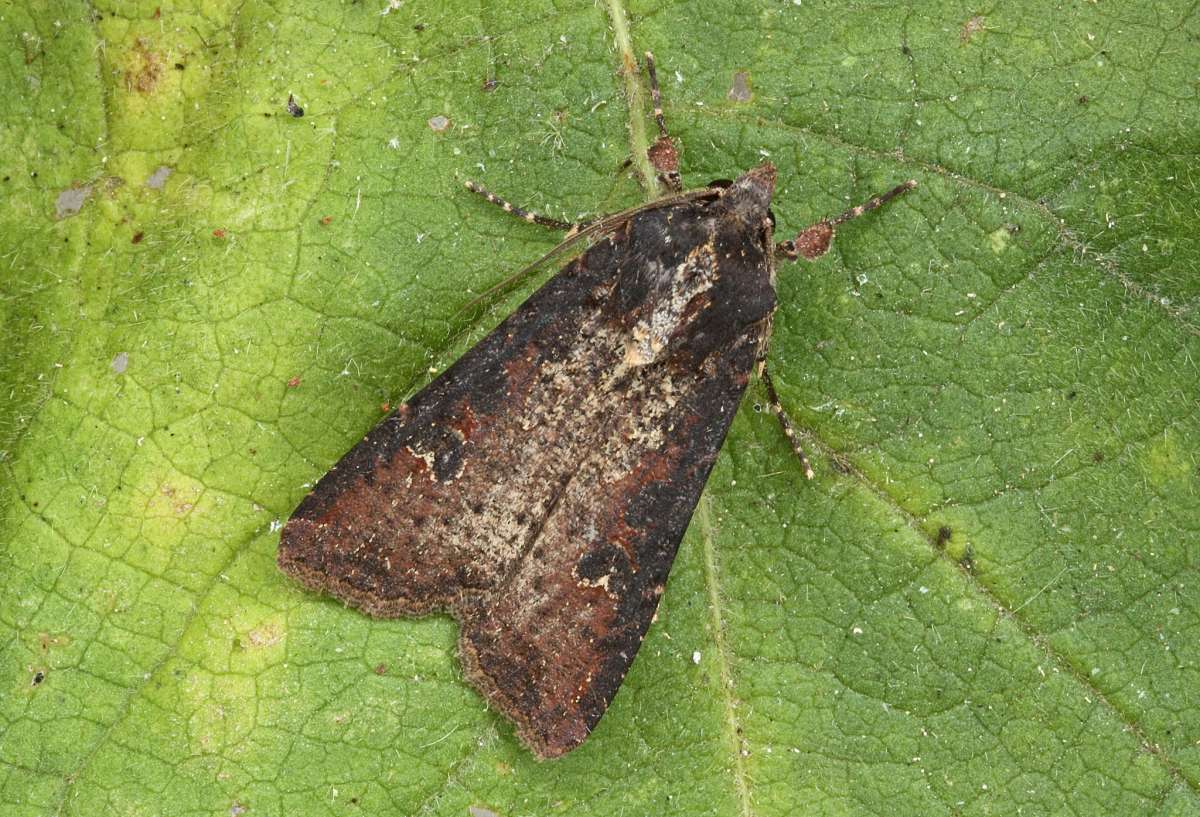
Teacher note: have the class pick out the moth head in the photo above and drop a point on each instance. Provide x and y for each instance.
(749, 196)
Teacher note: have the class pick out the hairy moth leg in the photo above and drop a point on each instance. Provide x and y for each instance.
(789, 428)
(663, 155)
(811, 243)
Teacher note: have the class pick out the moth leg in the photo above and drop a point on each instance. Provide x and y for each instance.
(813, 242)
(663, 155)
(527, 215)
(789, 429)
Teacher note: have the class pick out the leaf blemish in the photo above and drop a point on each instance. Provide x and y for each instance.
(740, 90)
(71, 200)
(970, 28)
(145, 69)
(158, 178)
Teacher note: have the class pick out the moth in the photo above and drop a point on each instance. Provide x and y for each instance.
(538, 489)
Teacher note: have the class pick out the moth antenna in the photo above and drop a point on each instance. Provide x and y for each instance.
(656, 96)
(663, 155)
(520, 212)
(873, 203)
(813, 242)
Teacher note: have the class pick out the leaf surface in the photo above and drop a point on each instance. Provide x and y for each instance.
(986, 603)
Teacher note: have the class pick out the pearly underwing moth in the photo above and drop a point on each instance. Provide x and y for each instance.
(538, 489)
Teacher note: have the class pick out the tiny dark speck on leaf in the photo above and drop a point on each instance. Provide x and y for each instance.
(293, 107)
(490, 84)
(967, 560)
(38, 677)
(943, 535)
(137, 237)
(219, 233)
(326, 220)
(438, 123)
(381, 669)
(1098, 457)
(740, 90)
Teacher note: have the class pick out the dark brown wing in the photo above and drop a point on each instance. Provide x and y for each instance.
(551, 645)
(539, 488)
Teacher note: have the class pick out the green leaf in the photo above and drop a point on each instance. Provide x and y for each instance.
(986, 603)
